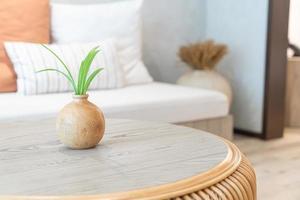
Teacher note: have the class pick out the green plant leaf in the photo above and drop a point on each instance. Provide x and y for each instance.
(85, 67)
(70, 77)
(90, 79)
(83, 82)
(56, 70)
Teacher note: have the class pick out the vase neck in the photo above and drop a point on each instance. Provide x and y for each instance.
(79, 98)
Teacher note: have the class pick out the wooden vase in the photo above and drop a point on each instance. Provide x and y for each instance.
(80, 124)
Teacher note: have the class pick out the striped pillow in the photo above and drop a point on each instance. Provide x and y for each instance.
(27, 58)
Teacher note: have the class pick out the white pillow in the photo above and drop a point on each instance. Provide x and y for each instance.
(94, 22)
(27, 58)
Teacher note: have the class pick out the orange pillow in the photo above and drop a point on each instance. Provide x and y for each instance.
(21, 20)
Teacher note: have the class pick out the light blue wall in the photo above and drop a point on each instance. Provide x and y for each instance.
(169, 24)
(243, 26)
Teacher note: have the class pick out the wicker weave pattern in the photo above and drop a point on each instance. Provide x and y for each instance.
(241, 185)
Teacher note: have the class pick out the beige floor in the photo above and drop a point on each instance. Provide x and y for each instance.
(277, 165)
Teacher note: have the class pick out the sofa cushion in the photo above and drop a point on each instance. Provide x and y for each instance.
(153, 101)
(118, 19)
(7, 78)
(26, 20)
(28, 58)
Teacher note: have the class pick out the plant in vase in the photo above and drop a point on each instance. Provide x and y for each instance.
(80, 124)
(202, 58)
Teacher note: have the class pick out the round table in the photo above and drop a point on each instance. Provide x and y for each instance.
(135, 160)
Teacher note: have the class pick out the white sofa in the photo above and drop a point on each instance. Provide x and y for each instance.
(198, 108)
(155, 101)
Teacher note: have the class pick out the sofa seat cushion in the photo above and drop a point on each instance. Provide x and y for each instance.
(153, 101)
